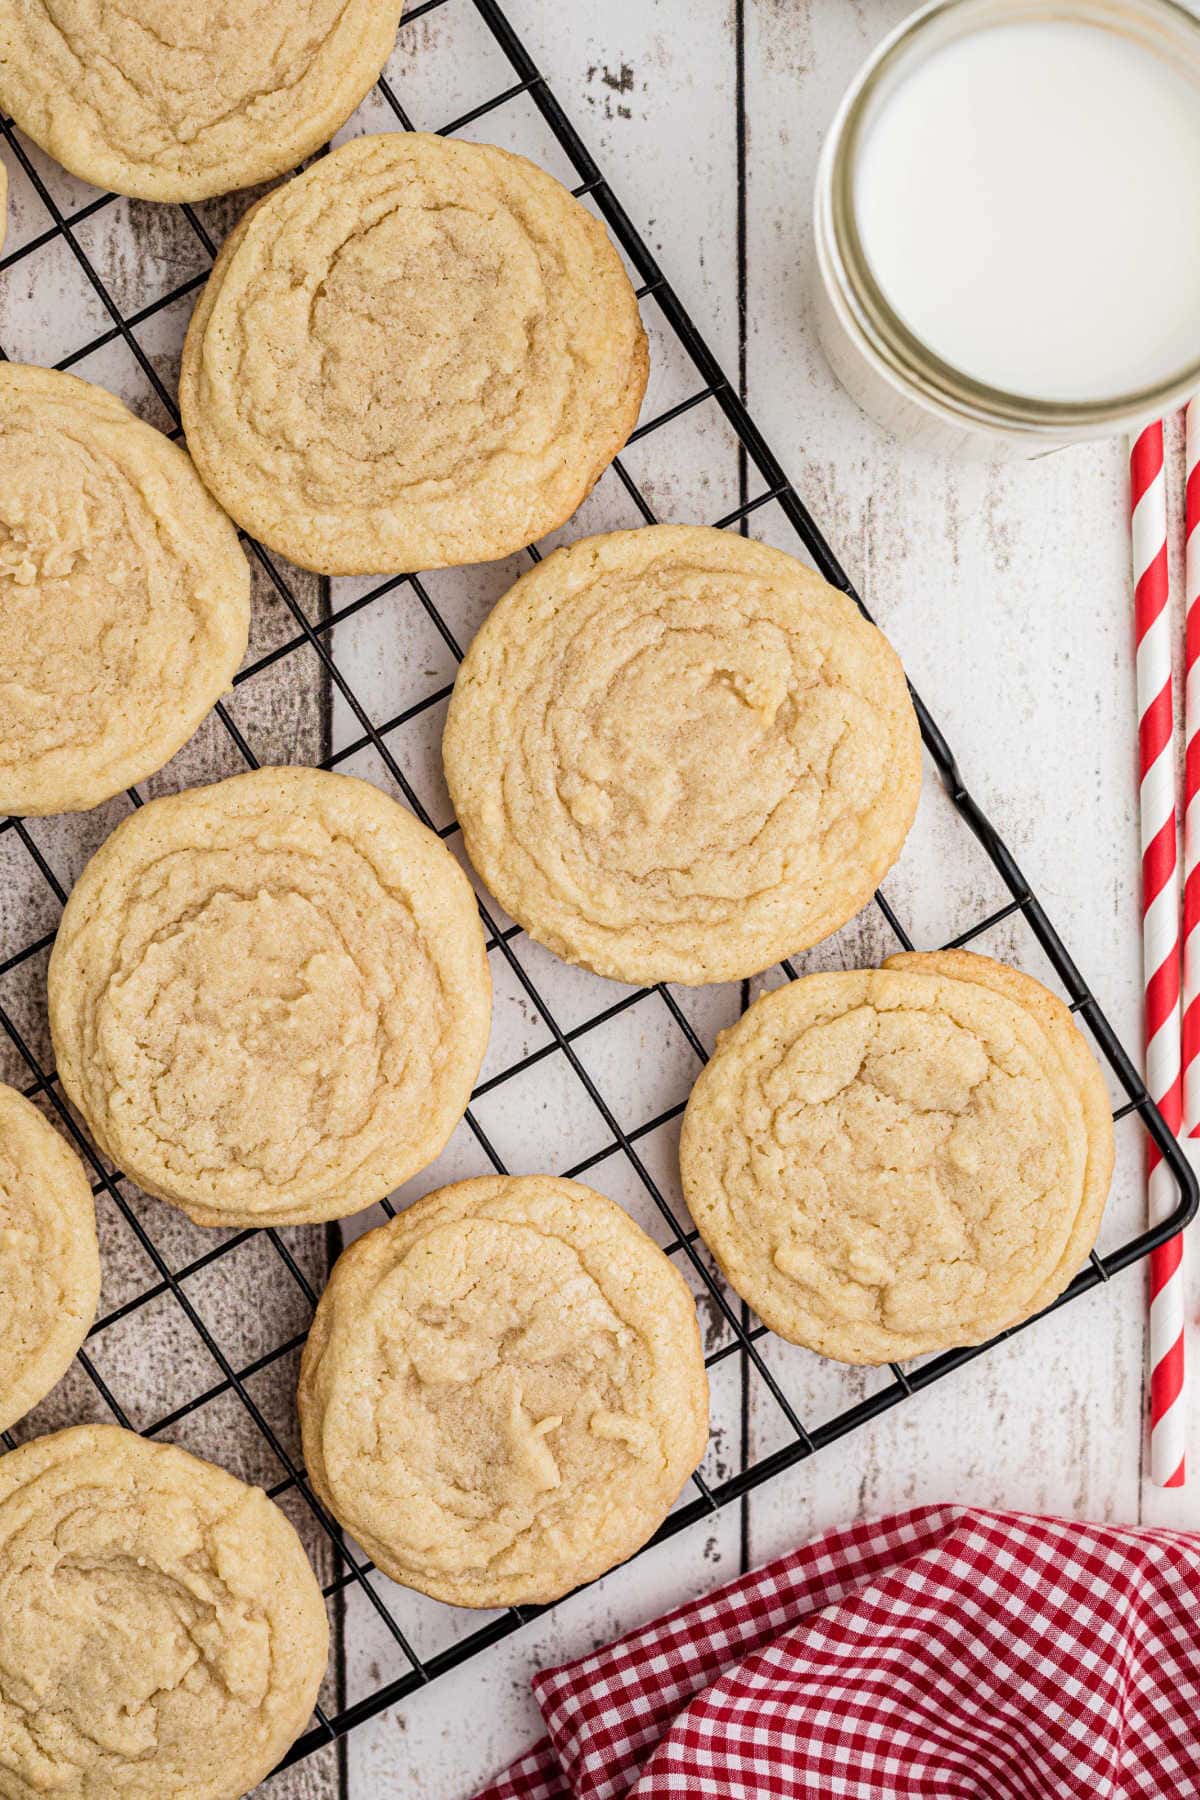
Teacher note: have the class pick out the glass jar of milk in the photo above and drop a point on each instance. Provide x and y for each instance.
(1008, 223)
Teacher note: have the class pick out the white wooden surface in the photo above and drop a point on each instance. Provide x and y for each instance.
(1007, 593)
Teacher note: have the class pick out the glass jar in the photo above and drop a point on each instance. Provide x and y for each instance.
(888, 370)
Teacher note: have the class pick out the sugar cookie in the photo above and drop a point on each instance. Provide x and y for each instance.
(887, 1162)
(49, 1262)
(161, 1631)
(503, 1391)
(270, 997)
(419, 352)
(176, 102)
(679, 755)
(124, 595)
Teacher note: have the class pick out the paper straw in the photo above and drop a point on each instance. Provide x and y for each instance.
(1191, 783)
(1160, 934)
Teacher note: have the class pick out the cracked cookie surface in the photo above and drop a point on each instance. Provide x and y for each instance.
(679, 755)
(180, 99)
(49, 1261)
(161, 1631)
(124, 595)
(888, 1162)
(420, 352)
(503, 1391)
(270, 997)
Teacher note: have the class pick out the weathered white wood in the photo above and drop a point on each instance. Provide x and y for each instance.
(656, 105)
(152, 1360)
(1007, 592)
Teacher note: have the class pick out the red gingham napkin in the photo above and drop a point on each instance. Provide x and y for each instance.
(945, 1653)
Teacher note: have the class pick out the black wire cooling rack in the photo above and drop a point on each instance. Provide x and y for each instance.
(350, 1573)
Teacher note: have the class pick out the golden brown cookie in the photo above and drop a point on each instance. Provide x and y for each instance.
(161, 1631)
(1084, 1072)
(679, 755)
(893, 1161)
(49, 1262)
(169, 100)
(124, 595)
(419, 352)
(503, 1391)
(270, 998)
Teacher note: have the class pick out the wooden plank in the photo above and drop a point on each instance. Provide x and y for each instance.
(1006, 589)
(151, 1359)
(636, 86)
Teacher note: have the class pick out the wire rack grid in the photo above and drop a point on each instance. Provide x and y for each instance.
(311, 629)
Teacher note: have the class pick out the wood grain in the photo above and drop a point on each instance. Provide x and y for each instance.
(1007, 592)
(151, 1359)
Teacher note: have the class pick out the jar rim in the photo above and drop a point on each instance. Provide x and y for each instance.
(1161, 25)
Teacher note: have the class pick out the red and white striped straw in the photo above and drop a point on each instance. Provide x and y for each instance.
(1191, 798)
(1160, 933)
(1191, 782)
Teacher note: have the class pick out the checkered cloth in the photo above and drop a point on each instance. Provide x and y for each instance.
(945, 1653)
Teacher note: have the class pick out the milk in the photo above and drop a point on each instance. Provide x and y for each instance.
(1028, 200)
